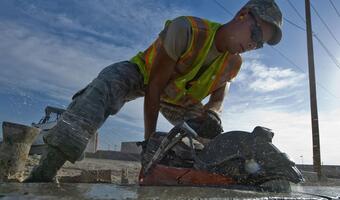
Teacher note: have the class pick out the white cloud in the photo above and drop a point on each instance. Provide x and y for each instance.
(58, 53)
(262, 78)
(41, 62)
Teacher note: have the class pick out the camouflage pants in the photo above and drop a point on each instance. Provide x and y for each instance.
(105, 95)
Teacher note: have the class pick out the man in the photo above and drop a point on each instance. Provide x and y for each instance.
(191, 59)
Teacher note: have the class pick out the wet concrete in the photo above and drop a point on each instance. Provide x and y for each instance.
(9, 191)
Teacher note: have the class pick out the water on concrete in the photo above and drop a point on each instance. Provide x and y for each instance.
(11, 191)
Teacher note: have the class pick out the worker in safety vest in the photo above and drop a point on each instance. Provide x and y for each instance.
(191, 59)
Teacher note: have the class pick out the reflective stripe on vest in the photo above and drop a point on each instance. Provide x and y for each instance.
(177, 92)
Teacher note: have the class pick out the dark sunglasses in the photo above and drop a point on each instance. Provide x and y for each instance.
(256, 32)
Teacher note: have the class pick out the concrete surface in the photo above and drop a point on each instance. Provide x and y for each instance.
(111, 170)
(11, 191)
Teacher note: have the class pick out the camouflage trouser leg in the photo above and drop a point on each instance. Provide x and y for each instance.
(104, 96)
(177, 114)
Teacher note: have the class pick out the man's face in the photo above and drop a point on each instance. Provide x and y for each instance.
(247, 32)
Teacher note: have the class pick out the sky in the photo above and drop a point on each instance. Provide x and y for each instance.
(51, 49)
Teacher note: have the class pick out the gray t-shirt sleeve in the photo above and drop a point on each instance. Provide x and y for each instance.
(176, 37)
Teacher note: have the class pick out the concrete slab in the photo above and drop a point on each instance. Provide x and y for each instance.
(9, 191)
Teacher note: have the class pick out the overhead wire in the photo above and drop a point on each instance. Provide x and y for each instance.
(325, 24)
(294, 8)
(225, 9)
(294, 24)
(295, 65)
(336, 10)
(328, 52)
(334, 59)
(317, 38)
(287, 58)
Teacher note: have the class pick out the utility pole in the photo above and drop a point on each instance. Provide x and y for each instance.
(312, 90)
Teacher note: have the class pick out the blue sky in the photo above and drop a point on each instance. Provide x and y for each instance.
(51, 49)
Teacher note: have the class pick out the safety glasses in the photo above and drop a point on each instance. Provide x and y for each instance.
(256, 32)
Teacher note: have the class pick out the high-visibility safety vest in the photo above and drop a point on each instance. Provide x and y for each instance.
(177, 91)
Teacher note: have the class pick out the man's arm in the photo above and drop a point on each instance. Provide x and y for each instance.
(216, 98)
(161, 71)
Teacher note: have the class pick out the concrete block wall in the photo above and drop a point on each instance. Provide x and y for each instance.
(330, 171)
(130, 147)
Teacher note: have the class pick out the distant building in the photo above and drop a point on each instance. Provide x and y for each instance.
(92, 146)
(130, 147)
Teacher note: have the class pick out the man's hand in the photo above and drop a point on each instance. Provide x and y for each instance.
(207, 126)
(161, 71)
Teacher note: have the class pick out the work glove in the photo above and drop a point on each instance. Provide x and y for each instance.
(207, 126)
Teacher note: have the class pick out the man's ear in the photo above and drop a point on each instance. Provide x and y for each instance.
(242, 14)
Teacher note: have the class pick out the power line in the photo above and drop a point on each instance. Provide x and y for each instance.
(319, 40)
(324, 88)
(295, 65)
(292, 5)
(294, 24)
(325, 24)
(328, 52)
(336, 10)
(288, 59)
(336, 62)
(225, 9)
